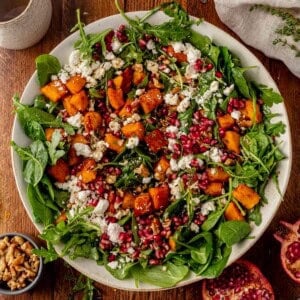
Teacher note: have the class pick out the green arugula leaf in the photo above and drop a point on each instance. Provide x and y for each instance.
(48, 254)
(46, 65)
(268, 95)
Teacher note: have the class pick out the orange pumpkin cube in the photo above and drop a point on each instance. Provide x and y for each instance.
(70, 108)
(247, 196)
(138, 77)
(118, 81)
(115, 98)
(217, 174)
(73, 158)
(88, 172)
(231, 140)
(128, 201)
(180, 57)
(134, 129)
(78, 138)
(150, 100)
(92, 121)
(75, 84)
(251, 114)
(155, 140)
(214, 189)
(54, 90)
(60, 171)
(232, 212)
(226, 121)
(128, 109)
(160, 196)
(143, 204)
(161, 168)
(80, 101)
(114, 143)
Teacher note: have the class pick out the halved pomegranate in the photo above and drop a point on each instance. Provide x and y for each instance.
(240, 281)
(289, 237)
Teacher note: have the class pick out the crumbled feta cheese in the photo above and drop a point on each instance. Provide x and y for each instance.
(227, 91)
(113, 264)
(114, 126)
(152, 66)
(109, 56)
(139, 92)
(132, 142)
(192, 53)
(171, 143)
(172, 129)
(236, 114)
(63, 76)
(207, 207)
(83, 196)
(100, 221)
(185, 162)
(214, 87)
(75, 58)
(82, 149)
(150, 45)
(146, 180)
(184, 105)
(101, 207)
(196, 200)
(85, 69)
(134, 118)
(116, 45)
(214, 154)
(194, 227)
(178, 46)
(113, 231)
(117, 63)
(70, 185)
(175, 187)
(173, 165)
(190, 72)
(100, 148)
(171, 99)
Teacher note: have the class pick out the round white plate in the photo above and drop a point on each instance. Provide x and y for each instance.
(260, 74)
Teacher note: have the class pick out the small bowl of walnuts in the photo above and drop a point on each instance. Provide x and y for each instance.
(20, 269)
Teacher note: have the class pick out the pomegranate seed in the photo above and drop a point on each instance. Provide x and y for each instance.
(209, 67)
(142, 43)
(219, 74)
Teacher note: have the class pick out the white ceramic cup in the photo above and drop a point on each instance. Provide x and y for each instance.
(27, 28)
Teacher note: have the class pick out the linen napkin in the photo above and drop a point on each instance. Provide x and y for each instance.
(257, 28)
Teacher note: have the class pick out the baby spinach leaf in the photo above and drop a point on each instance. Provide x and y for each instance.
(54, 153)
(255, 215)
(240, 81)
(212, 220)
(123, 272)
(34, 130)
(202, 42)
(164, 276)
(35, 159)
(232, 232)
(46, 65)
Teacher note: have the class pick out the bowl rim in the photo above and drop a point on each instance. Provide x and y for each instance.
(214, 32)
(28, 287)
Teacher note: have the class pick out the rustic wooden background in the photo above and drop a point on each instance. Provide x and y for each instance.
(16, 68)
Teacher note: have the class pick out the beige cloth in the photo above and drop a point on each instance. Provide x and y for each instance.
(257, 28)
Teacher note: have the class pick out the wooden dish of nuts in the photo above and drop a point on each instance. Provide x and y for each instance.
(20, 269)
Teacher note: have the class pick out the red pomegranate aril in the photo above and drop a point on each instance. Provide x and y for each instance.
(209, 67)
(111, 257)
(154, 262)
(142, 43)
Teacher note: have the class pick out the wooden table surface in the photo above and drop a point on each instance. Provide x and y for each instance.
(16, 68)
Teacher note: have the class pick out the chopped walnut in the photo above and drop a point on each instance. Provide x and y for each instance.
(18, 265)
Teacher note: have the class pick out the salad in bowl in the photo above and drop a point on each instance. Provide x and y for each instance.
(149, 151)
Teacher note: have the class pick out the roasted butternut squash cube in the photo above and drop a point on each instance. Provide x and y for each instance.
(231, 140)
(217, 174)
(134, 129)
(60, 171)
(73, 158)
(114, 143)
(161, 168)
(127, 80)
(180, 56)
(172, 243)
(226, 121)
(61, 218)
(247, 196)
(115, 98)
(143, 204)
(128, 109)
(214, 189)
(92, 121)
(232, 212)
(80, 101)
(251, 113)
(88, 173)
(150, 100)
(54, 90)
(78, 138)
(75, 84)
(155, 140)
(118, 81)
(128, 201)
(138, 77)
(160, 196)
(70, 108)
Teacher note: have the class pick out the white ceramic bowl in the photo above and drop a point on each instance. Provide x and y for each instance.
(260, 74)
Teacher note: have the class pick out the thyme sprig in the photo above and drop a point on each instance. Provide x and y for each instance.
(290, 27)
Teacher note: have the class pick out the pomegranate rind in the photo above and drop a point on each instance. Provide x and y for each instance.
(258, 281)
(286, 239)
